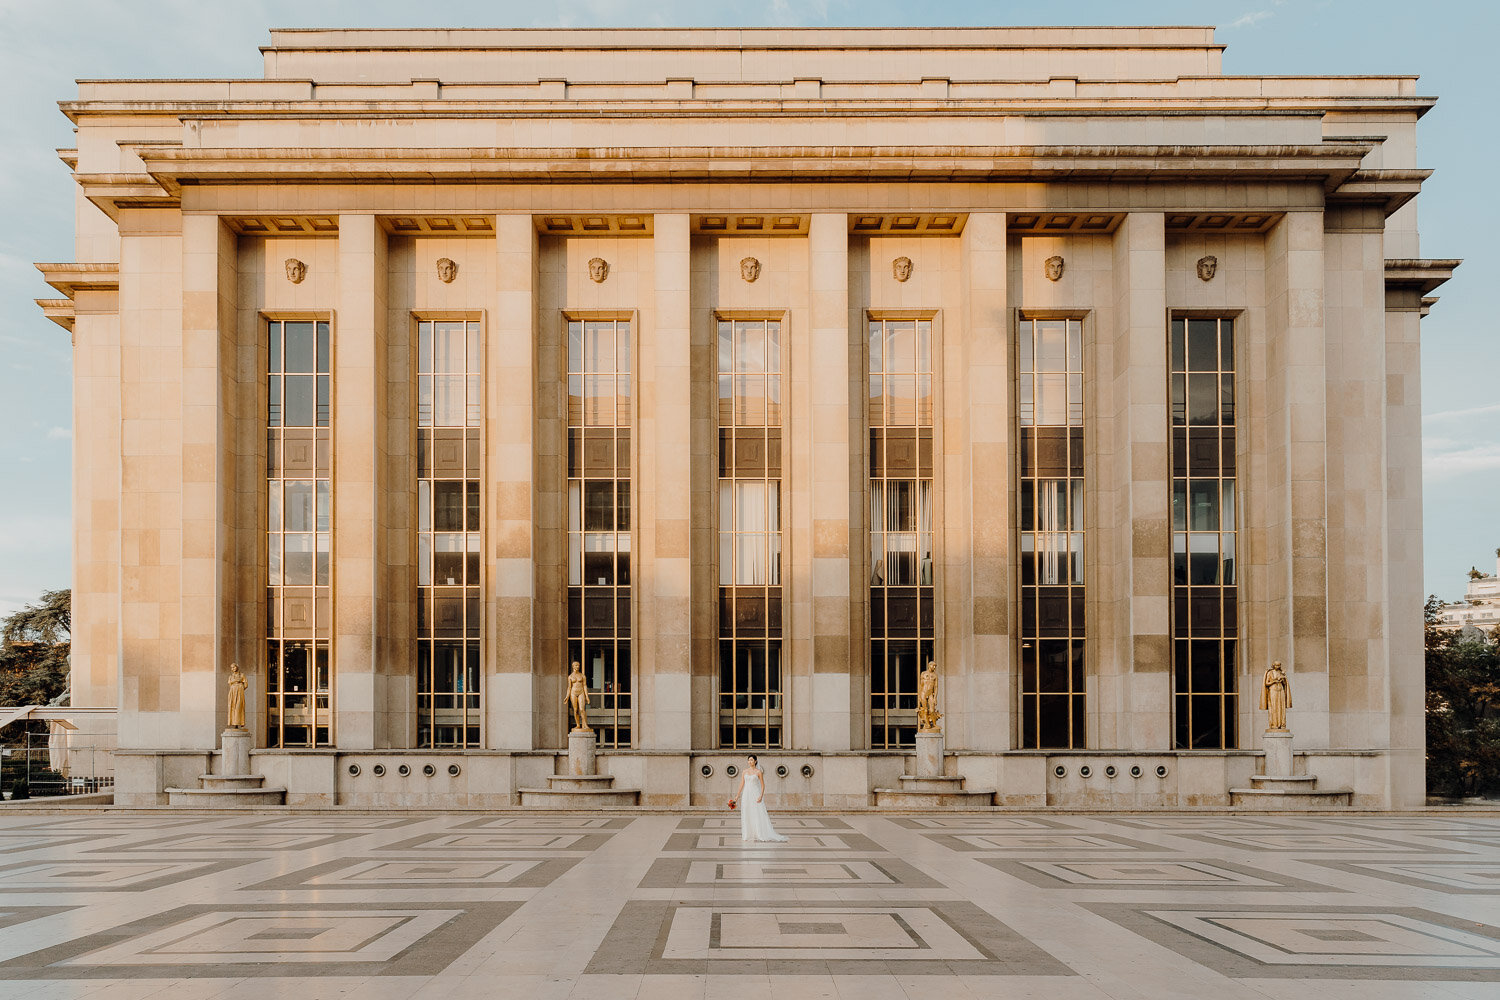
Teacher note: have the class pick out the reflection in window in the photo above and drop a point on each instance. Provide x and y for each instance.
(1051, 629)
(1204, 588)
(750, 694)
(900, 524)
(450, 603)
(599, 521)
(299, 533)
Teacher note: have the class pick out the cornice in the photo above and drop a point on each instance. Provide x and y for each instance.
(69, 279)
(59, 311)
(173, 167)
(1031, 99)
(1416, 274)
(1388, 189)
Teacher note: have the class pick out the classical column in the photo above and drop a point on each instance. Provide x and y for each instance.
(978, 482)
(1359, 629)
(832, 469)
(510, 413)
(1402, 689)
(359, 530)
(209, 457)
(1131, 583)
(1295, 496)
(151, 509)
(94, 653)
(663, 708)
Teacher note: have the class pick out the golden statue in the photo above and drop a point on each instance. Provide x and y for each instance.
(237, 684)
(927, 710)
(578, 699)
(1276, 697)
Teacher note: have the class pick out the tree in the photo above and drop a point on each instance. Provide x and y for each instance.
(1463, 709)
(34, 647)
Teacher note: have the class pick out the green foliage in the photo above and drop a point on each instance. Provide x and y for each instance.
(1463, 710)
(34, 647)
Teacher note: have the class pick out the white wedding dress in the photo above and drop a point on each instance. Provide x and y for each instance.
(755, 822)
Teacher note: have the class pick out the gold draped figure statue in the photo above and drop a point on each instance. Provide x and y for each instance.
(578, 699)
(927, 710)
(1275, 697)
(237, 685)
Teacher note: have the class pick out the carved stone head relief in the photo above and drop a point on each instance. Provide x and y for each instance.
(295, 270)
(1207, 268)
(1054, 267)
(447, 269)
(598, 269)
(901, 268)
(749, 268)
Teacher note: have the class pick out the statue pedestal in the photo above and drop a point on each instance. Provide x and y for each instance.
(929, 755)
(234, 785)
(930, 788)
(1279, 788)
(236, 746)
(583, 787)
(581, 752)
(1278, 743)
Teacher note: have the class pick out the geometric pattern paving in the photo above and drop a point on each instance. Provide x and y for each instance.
(424, 873)
(104, 876)
(266, 939)
(1320, 942)
(1466, 877)
(1176, 874)
(845, 938)
(655, 906)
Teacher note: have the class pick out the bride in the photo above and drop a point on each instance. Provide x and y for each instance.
(755, 823)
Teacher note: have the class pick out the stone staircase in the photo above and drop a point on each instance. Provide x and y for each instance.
(234, 787)
(219, 791)
(580, 791)
(942, 791)
(1278, 788)
(583, 787)
(1289, 791)
(930, 787)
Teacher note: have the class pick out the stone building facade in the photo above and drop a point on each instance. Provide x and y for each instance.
(751, 369)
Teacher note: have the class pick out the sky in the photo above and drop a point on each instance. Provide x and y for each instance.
(45, 46)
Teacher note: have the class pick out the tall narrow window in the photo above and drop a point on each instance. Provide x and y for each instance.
(1050, 402)
(749, 533)
(299, 536)
(599, 520)
(900, 521)
(450, 538)
(1204, 623)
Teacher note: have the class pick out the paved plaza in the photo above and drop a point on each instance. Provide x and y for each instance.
(863, 906)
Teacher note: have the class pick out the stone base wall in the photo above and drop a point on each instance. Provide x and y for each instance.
(832, 781)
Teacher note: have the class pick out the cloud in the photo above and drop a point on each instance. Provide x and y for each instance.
(1247, 20)
(1460, 461)
(1464, 414)
(59, 433)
